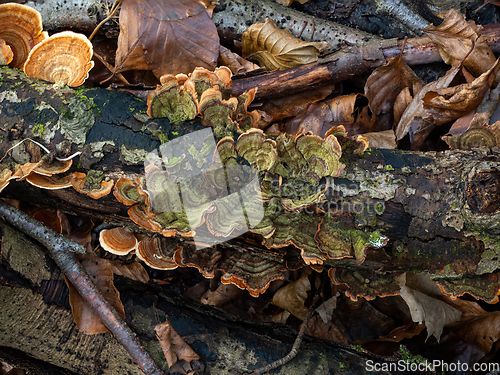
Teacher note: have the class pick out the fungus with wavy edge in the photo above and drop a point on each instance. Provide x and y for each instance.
(296, 228)
(477, 135)
(226, 151)
(63, 58)
(338, 240)
(228, 218)
(46, 168)
(366, 283)
(50, 182)
(139, 216)
(484, 287)
(176, 102)
(356, 144)
(157, 252)
(217, 113)
(204, 260)
(23, 171)
(93, 187)
(322, 155)
(259, 151)
(250, 272)
(118, 241)
(126, 192)
(21, 28)
(6, 54)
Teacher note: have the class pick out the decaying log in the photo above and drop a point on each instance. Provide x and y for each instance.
(439, 210)
(224, 343)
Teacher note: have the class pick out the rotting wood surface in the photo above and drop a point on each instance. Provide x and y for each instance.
(439, 210)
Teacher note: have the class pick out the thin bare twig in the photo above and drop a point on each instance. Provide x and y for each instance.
(64, 251)
(112, 12)
(296, 345)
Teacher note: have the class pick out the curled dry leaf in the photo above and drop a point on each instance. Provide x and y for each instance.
(174, 348)
(318, 118)
(427, 303)
(134, 271)
(385, 84)
(292, 297)
(235, 62)
(455, 37)
(275, 48)
(101, 274)
(167, 37)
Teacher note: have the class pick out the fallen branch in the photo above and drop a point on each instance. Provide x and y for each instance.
(64, 251)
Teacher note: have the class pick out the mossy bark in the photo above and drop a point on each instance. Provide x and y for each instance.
(440, 211)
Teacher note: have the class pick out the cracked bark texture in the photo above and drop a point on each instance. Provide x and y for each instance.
(440, 212)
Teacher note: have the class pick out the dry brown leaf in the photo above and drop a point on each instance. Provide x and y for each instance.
(320, 117)
(427, 303)
(292, 297)
(455, 37)
(235, 62)
(224, 293)
(328, 331)
(414, 114)
(385, 139)
(291, 105)
(175, 348)
(276, 48)
(385, 84)
(100, 272)
(133, 271)
(167, 37)
(447, 104)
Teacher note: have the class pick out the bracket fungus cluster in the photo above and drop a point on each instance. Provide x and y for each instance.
(212, 191)
(48, 174)
(21, 29)
(63, 58)
(205, 93)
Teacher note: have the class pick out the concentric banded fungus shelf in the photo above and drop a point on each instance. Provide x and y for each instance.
(440, 211)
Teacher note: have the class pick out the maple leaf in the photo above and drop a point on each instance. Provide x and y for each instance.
(167, 37)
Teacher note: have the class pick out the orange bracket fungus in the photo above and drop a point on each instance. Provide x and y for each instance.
(118, 241)
(21, 29)
(91, 184)
(63, 58)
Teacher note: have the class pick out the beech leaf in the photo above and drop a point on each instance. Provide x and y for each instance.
(455, 37)
(427, 303)
(414, 114)
(166, 36)
(292, 297)
(175, 348)
(386, 82)
(100, 271)
(276, 48)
